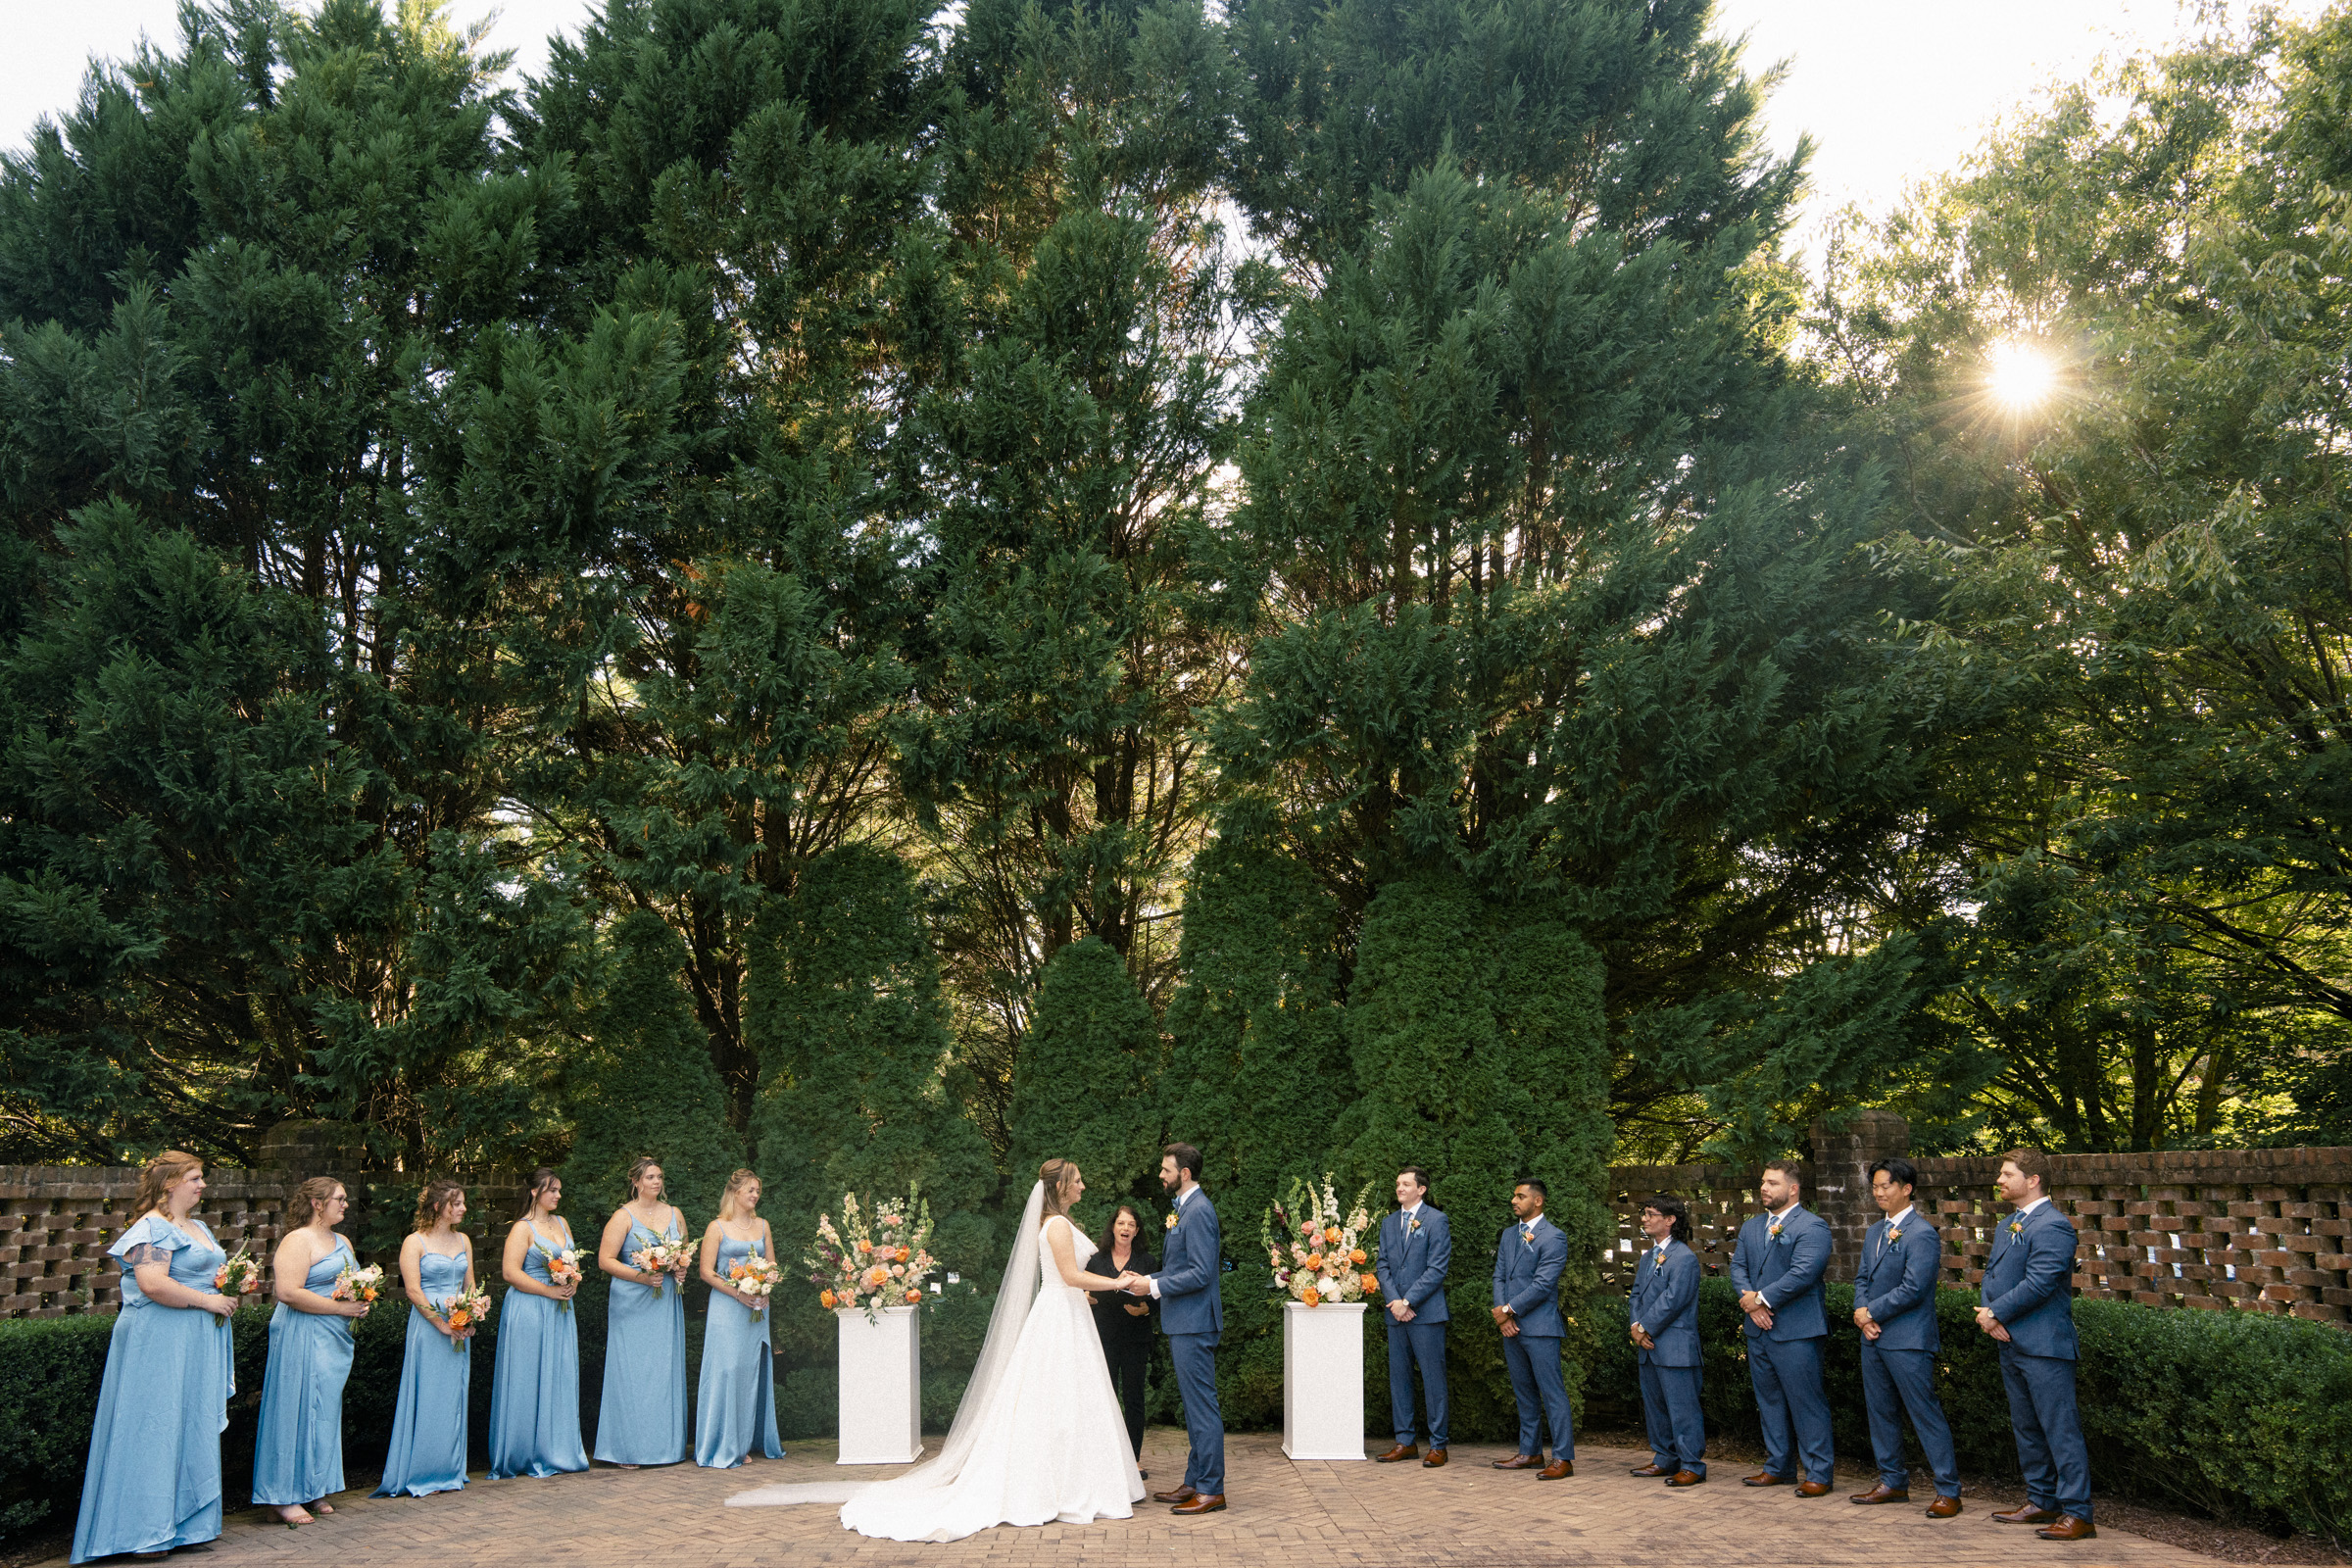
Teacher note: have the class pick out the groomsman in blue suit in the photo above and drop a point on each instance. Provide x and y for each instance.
(1415, 1247)
(1192, 1314)
(2029, 1305)
(1528, 1258)
(1895, 1308)
(1662, 1320)
(1778, 1267)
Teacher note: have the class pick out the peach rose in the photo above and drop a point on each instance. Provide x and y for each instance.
(1370, 1283)
(1310, 1297)
(827, 1298)
(1356, 1258)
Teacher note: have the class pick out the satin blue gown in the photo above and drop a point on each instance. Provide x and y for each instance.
(298, 1452)
(535, 1379)
(153, 1481)
(643, 1417)
(735, 1399)
(436, 1381)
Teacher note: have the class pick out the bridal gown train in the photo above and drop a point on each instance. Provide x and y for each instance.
(1048, 1443)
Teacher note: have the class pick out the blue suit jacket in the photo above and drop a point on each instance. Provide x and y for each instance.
(1528, 1278)
(2028, 1283)
(1190, 1300)
(1896, 1281)
(1787, 1270)
(1664, 1301)
(1411, 1266)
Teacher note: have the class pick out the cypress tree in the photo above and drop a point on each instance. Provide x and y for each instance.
(645, 1085)
(1083, 1087)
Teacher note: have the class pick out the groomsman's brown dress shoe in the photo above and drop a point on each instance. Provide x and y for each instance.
(1882, 1493)
(1652, 1470)
(1684, 1477)
(1435, 1459)
(1398, 1454)
(1204, 1502)
(2025, 1513)
(1944, 1507)
(1184, 1494)
(1557, 1470)
(2069, 1527)
(1520, 1461)
(1813, 1488)
(1765, 1477)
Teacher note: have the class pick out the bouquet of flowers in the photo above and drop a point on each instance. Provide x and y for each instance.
(873, 1265)
(664, 1258)
(1315, 1254)
(465, 1312)
(239, 1277)
(357, 1284)
(755, 1277)
(563, 1267)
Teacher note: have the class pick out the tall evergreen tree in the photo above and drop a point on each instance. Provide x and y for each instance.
(1083, 1089)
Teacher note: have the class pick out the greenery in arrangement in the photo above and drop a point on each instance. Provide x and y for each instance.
(883, 595)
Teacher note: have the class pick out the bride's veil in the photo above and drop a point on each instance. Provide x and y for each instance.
(1015, 1297)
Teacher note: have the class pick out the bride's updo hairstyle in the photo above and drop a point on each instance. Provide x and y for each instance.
(1058, 1175)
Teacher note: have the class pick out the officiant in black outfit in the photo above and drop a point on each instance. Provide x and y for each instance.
(1124, 1322)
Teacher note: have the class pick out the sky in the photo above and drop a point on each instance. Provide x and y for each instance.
(1891, 90)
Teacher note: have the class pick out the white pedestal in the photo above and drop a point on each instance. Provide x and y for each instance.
(1323, 1380)
(881, 1386)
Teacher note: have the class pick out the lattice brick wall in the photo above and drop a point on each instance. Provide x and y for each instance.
(56, 1224)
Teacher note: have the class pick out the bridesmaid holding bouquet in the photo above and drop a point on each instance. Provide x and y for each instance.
(736, 1397)
(153, 1480)
(436, 1370)
(535, 1377)
(298, 1452)
(643, 1417)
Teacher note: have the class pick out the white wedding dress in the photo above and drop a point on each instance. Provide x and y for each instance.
(1039, 1437)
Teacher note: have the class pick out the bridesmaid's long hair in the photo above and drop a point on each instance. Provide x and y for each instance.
(303, 1206)
(161, 1174)
(541, 1180)
(735, 1184)
(637, 1170)
(1057, 1174)
(433, 1202)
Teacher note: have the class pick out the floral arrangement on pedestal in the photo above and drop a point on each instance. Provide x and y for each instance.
(1317, 1253)
(872, 1265)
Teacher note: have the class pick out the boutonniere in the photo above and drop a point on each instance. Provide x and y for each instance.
(1412, 1225)
(1658, 1259)
(2016, 1225)
(1772, 1230)
(1169, 1223)
(1894, 1232)
(1527, 1236)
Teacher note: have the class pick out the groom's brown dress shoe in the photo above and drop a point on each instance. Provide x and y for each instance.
(1813, 1488)
(2025, 1513)
(1684, 1477)
(1946, 1506)
(1882, 1493)
(1557, 1470)
(2069, 1527)
(1179, 1495)
(1652, 1470)
(1435, 1459)
(1520, 1461)
(1204, 1502)
(1402, 1451)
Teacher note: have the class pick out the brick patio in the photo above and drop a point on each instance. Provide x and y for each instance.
(1300, 1515)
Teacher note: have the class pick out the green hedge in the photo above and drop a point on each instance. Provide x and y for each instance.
(2230, 1413)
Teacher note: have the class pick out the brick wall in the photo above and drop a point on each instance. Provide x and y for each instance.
(2265, 1229)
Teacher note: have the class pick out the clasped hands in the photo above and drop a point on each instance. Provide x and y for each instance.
(1991, 1325)
(1869, 1326)
(1133, 1284)
(1752, 1303)
(1507, 1320)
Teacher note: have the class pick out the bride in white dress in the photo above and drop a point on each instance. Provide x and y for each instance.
(1039, 1437)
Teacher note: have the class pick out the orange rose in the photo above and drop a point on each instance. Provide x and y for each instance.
(1315, 1262)
(1356, 1258)
(866, 1247)
(1310, 1297)
(828, 1298)
(1331, 1235)
(915, 1297)
(1370, 1283)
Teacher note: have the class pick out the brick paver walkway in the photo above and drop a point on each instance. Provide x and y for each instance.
(1311, 1515)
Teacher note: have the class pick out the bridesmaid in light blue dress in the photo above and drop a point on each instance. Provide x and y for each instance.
(153, 1480)
(298, 1450)
(643, 1417)
(436, 1370)
(535, 1376)
(736, 1397)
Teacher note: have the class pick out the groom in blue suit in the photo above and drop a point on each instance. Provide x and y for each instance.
(1528, 1259)
(1778, 1267)
(1192, 1313)
(1415, 1247)
(2029, 1305)
(1895, 1308)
